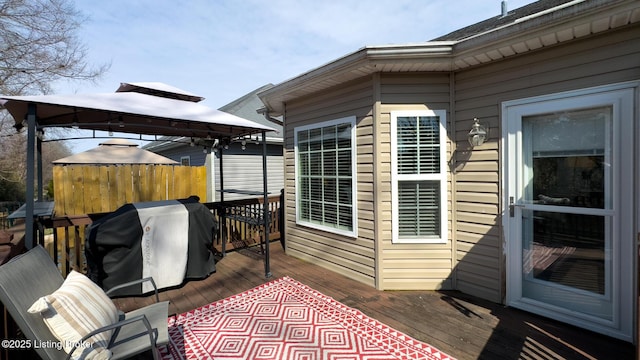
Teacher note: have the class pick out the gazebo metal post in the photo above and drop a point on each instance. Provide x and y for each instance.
(223, 213)
(39, 172)
(29, 199)
(265, 206)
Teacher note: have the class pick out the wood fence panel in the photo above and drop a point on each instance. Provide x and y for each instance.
(182, 182)
(128, 183)
(87, 189)
(91, 188)
(105, 183)
(201, 178)
(160, 182)
(77, 204)
(170, 190)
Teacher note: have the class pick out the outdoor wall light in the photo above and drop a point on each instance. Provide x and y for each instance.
(478, 133)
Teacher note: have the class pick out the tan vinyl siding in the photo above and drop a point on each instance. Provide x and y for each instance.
(473, 259)
(410, 266)
(479, 92)
(353, 257)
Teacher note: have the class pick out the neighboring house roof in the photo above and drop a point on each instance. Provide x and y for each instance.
(543, 23)
(248, 106)
(116, 151)
(245, 107)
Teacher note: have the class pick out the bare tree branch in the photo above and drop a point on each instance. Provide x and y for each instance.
(39, 45)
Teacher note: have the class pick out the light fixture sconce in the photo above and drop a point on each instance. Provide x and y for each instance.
(478, 134)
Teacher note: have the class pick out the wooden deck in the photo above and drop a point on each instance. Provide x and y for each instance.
(460, 325)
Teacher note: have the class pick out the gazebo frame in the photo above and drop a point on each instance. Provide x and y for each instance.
(136, 109)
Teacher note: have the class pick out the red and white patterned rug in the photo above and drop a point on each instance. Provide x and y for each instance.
(285, 319)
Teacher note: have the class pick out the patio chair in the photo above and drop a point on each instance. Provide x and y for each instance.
(28, 277)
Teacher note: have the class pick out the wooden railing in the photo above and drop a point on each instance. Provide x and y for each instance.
(66, 243)
(241, 222)
(6, 208)
(4, 222)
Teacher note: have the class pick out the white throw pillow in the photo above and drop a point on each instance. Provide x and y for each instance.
(78, 307)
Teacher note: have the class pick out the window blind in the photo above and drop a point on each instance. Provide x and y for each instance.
(324, 163)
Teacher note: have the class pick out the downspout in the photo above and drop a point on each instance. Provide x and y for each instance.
(453, 167)
(29, 199)
(377, 109)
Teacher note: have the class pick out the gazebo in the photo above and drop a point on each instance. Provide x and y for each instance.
(115, 151)
(147, 108)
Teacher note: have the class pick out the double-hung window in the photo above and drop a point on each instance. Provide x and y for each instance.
(326, 176)
(419, 176)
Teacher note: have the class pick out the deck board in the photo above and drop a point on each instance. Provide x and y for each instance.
(458, 324)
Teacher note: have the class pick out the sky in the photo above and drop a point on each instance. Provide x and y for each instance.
(224, 49)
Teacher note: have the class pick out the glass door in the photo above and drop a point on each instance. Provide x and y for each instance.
(570, 205)
(566, 204)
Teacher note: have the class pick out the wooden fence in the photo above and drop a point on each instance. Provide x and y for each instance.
(88, 189)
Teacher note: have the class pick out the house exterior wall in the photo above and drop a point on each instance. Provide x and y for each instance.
(409, 266)
(353, 257)
(479, 92)
(473, 260)
(195, 154)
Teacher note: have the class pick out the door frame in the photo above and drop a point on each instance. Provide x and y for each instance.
(622, 326)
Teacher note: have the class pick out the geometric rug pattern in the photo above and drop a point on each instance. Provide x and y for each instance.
(285, 319)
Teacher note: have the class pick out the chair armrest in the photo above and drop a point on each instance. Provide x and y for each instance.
(135, 282)
(153, 333)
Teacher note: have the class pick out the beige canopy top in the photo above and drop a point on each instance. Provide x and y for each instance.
(116, 151)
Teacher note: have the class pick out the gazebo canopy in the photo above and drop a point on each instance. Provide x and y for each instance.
(131, 112)
(147, 108)
(116, 151)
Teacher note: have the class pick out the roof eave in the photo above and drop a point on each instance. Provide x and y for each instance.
(365, 61)
(525, 34)
(562, 23)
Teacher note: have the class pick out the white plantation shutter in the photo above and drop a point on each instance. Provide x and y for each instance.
(419, 176)
(418, 208)
(325, 175)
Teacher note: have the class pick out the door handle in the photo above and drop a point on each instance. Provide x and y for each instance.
(512, 206)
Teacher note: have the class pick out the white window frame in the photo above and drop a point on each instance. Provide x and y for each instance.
(442, 177)
(351, 120)
(188, 160)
